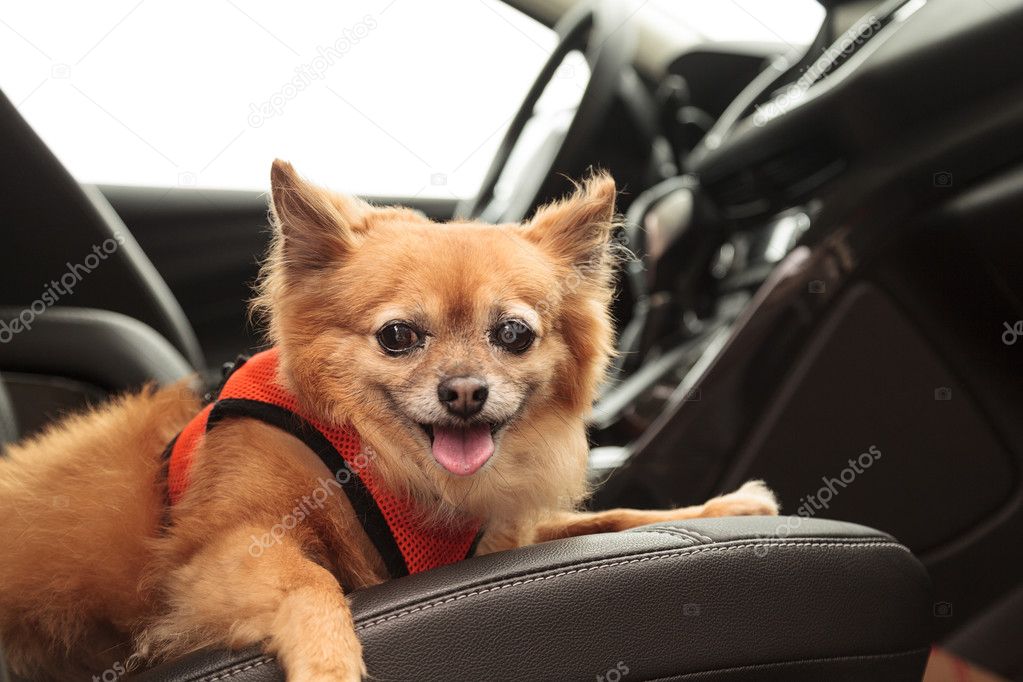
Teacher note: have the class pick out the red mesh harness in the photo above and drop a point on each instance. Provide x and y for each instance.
(251, 391)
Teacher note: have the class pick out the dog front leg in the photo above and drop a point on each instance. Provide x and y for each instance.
(752, 499)
(236, 592)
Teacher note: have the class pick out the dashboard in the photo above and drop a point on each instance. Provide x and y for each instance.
(861, 129)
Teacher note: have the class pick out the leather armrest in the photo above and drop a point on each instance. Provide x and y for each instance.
(62, 359)
(106, 349)
(709, 599)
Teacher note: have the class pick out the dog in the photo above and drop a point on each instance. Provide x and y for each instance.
(446, 368)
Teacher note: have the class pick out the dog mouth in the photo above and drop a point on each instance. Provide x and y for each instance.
(462, 449)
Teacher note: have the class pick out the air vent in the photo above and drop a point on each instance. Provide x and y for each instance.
(796, 173)
(740, 195)
(777, 183)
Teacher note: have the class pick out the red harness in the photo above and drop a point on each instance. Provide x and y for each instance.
(251, 391)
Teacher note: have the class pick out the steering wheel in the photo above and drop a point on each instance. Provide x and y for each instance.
(602, 31)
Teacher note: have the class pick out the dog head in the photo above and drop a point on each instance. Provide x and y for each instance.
(466, 355)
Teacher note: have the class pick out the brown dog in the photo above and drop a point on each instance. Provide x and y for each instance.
(463, 356)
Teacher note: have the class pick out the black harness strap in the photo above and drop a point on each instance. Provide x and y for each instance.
(165, 459)
(475, 543)
(366, 509)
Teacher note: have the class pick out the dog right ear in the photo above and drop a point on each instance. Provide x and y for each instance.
(578, 228)
(316, 226)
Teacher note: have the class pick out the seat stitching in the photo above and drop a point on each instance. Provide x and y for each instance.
(792, 663)
(685, 552)
(237, 671)
(688, 532)
(680, 532)
(701, 536)
(672, 533)
(757, 666)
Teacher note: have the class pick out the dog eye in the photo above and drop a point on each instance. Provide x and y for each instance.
(398, 337)
(513, 336)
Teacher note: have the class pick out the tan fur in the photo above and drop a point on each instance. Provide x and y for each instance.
(79, 579)
(78, 505)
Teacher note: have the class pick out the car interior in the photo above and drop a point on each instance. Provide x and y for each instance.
(824, 292)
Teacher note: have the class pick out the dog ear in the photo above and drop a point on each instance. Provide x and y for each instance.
(578, 228)
(316, 226)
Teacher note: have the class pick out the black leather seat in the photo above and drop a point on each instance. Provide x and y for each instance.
(710, 599)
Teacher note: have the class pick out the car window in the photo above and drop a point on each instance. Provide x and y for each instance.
(381, 97)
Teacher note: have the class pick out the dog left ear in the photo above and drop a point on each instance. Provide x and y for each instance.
(316, 225)
(578, 228)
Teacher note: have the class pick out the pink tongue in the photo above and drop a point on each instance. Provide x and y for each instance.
(462, 451)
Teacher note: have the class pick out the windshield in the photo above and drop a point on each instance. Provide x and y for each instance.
(793, 22)
(378, 97)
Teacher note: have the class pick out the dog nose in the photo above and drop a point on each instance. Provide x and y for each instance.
(463, 396)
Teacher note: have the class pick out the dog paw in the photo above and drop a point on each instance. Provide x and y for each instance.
(326, 666)
(754, 498)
